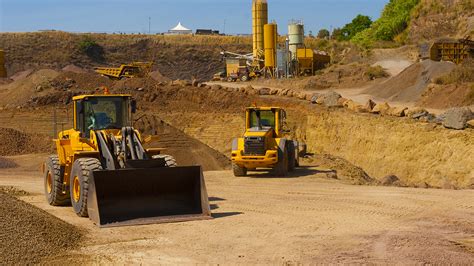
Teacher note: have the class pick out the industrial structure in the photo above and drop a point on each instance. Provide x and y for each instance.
(3, 70)
(452, 50)
(271, 58)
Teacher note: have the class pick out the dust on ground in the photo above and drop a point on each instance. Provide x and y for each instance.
(31, 235)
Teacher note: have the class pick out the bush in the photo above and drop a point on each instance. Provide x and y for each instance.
(375, 72)
(461, 73)
(393, 22)
(92, 49)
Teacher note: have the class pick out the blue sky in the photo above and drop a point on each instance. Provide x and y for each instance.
(132, 15)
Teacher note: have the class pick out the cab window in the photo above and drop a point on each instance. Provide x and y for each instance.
(265, 118)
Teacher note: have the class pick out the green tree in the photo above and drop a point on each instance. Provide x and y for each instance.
(358, 24)
(393, 22)
(323, 34)
(337, 34)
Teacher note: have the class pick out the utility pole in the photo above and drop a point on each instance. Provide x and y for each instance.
(149, 25)
(224, 27)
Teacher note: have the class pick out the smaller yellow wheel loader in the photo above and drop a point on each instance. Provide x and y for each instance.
(103, 171)
(264, 144)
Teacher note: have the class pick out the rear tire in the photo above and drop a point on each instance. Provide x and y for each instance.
(239, 171)
(291, 156)
(282, 167)
(170, 161)
(53, 183)
(79, 183)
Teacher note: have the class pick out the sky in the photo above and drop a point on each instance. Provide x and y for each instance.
(132, 16)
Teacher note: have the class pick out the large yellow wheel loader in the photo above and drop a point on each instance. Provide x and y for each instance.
(104, 172)
(264, 144)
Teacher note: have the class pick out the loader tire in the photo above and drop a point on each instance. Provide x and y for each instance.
(281, 169)
(239, 171)
(53, 183)
(170, 161)
(79, 185)
(291, 156)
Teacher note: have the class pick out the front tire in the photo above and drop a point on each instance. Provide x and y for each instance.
(291, 156)
(79, 183)
(282, 166)
(53, 183)
(239, 171)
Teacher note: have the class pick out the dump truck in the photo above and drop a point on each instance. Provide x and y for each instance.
(264, 144)
(102, 169)
(133, 70)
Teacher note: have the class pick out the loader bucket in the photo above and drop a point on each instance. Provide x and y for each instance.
(147, 195)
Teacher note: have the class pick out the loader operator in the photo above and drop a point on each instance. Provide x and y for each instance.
(101, 113)
(262, 119)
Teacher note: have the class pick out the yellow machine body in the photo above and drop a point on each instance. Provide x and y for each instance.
(133, 70)
(120, 191)
(264, 144)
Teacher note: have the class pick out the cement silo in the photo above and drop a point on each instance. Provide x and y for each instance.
(270, 45)
(3, 71)
(296, 37)
(259, 19)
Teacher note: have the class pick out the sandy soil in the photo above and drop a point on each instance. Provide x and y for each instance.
(302, 219)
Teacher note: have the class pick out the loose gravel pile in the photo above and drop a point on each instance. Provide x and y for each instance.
(29, 235)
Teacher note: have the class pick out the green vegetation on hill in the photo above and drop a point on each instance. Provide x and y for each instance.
(390, 26)
(358, 24)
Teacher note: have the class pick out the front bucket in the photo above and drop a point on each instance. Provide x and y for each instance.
(144, 196)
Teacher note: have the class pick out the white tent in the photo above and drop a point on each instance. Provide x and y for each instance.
(180, 29)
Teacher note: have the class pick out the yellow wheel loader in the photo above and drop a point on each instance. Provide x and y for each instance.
(264, 144)
(103, 171)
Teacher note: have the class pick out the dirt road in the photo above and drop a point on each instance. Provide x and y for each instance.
(302, 219)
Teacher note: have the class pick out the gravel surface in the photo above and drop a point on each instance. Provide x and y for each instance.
(29, 235)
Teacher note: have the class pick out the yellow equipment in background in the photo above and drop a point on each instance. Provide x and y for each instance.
(264, 144)
(310, 60)
(133, 70)
(455, 51)
(3, 70)
(102, 169)
(237, 69)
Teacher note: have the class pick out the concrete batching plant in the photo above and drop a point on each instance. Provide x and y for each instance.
(268, 58)
(259, 19)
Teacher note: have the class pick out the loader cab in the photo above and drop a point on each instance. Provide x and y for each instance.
(260, 119)
(102, 112)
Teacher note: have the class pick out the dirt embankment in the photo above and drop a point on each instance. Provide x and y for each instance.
(15, 142)
(176, 57)
(434, 18)
(419, 154)
(185, 149)
(409, 85)
(30, 235)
